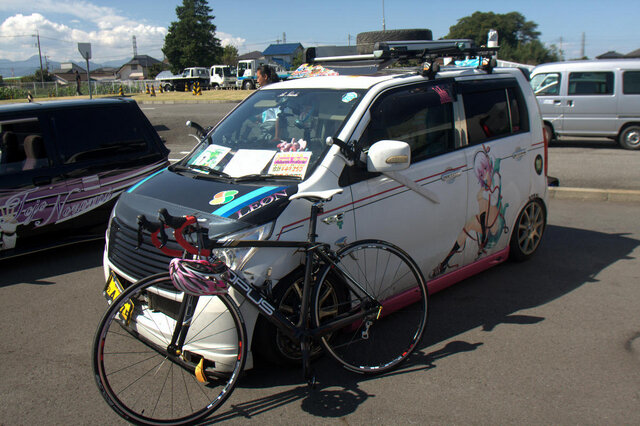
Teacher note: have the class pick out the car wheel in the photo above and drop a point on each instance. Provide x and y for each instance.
(215, 87)
(528, 230)
(248, 85)
(366, 40)
(630, 137)
(548, 133)
(269, 343)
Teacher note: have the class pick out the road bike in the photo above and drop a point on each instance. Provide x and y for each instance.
(171, 347)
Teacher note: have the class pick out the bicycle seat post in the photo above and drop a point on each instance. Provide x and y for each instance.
(316, 209)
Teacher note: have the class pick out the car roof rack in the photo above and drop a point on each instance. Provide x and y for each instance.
(350, 61)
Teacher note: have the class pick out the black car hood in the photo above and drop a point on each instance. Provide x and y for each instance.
(227, 205)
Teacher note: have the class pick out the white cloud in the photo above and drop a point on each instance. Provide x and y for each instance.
(108, 32)
(228, 39)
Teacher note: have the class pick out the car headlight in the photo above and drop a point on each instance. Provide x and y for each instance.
(237, 258)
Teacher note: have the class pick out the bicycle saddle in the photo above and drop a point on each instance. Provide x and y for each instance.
(315, 196)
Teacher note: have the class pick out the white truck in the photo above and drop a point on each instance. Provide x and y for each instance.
(247, 72)
(188, 77)
(222, 77)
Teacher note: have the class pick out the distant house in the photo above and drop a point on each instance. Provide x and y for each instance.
(634, 54)
(137, 68)
(67, 73)
(282, 54)
(610, 55)
(251, 55)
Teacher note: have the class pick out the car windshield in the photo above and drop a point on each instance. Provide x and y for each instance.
(274, 134)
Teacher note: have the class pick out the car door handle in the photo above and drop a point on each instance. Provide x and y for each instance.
(518, 154)
(556, 102)
(451, 175)
(570, 102)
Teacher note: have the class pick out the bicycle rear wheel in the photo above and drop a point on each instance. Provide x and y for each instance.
(382, 340)
(147, 384)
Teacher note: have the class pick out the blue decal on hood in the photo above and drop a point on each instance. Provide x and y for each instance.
(145, 179)
(247, 199)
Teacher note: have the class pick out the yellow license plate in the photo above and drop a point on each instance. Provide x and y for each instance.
(112, 290)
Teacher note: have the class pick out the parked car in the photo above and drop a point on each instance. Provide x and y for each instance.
(598, 98)
(63, 164)
(468, 191)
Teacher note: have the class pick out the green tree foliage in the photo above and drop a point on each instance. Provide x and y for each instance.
(38, 76)
(192, 41)
(517, 37)
(230, 55)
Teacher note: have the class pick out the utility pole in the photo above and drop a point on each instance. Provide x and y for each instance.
(383, 24)
(40, 55)
(582, 47)
(349, 37)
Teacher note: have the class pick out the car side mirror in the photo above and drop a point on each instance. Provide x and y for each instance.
(388, 156)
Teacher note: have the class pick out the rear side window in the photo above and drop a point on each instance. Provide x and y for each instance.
(105, 133)
(631, 82)
(22, 146)
(591, 83)
(420, 115)
(495, 113)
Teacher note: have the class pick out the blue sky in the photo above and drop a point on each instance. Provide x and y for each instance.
(252, 25)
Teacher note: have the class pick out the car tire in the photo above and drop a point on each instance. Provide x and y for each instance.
(247, 85)
(527, 232)
(269, 344)
(630, 137)
(549, 135)
(366, 40)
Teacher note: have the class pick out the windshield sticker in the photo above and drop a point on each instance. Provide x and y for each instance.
(223, 197)
(348, 97)
(445, 97)
(291, 94)
(211, 156)
(248, 162)
(290, 164)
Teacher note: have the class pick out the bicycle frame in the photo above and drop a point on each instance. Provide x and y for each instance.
(315, 253)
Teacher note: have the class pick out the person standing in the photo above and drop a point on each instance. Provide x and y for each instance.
(78, 83)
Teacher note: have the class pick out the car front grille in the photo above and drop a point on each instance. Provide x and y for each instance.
(137, 262)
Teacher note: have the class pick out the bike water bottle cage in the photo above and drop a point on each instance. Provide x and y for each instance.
(198, 277)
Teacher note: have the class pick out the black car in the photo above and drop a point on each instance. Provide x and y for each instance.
(63, 164)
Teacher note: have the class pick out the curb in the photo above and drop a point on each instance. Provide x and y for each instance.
(594, 194)
(187, 101)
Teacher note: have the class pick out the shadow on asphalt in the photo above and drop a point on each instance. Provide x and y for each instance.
(37, 268)
(568, 259)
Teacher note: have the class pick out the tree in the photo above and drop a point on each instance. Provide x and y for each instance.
(192, 41)
(38, 76)
(230, 55)
(517, 37)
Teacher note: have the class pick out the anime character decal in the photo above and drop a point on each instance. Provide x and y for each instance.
(487, 226)
(8, 226)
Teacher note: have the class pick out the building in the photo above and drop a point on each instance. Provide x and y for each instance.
(282, 54)
(137, 68)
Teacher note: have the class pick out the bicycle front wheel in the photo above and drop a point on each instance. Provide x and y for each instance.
(372, 273)
(144, 380)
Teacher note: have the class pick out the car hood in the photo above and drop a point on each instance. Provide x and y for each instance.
(228, 206)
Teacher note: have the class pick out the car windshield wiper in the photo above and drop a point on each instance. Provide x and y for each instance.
(258, 176)
(199, 167)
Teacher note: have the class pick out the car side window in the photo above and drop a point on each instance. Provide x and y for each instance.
(22, 146)
(547, 84)
(591, 83)
(495, 112)
(99, 134)
(631, 82)
(421, 116)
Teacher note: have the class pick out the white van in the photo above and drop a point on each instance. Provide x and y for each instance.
(598, 98)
